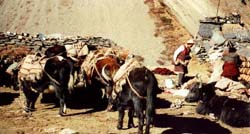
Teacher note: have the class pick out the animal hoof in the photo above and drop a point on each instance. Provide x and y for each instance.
(109, 108)
(61, 114)
(140, 132)
(26, 110)
(131, 126)
(119, 127)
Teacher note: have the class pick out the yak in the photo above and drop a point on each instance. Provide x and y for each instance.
(56, 50)
(95, 64)
(138, 94)
(231, 111)
(8, 72)
(57, 71)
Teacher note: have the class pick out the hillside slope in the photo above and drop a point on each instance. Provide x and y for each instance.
(125, 22)
(134, 24)
(190, 12)
(228, 6)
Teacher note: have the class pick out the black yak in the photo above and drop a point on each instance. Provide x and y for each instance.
(233, 112)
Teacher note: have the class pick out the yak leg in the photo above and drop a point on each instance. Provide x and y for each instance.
(33, 101)
(14, 80)
(139, 111)
(149, 120)
(120, 120)
(31, 98)
(61, 96)
(130, 118)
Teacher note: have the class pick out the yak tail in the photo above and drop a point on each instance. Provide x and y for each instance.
(72, 78)
(150, 108)
(71, 82)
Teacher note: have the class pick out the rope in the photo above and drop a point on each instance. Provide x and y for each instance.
(134, 90)
(50, 77)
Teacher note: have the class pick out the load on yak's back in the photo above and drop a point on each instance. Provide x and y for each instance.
(100, 66)
(61, 71)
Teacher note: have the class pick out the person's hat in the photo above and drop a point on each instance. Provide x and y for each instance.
(190, 41)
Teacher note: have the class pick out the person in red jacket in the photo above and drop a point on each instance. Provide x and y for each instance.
(231, 64)
(181, 59)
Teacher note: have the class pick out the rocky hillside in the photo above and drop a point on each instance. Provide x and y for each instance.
(151, 28)
(124, 22)
(227, 6)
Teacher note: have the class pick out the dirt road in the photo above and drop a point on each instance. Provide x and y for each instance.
(86, 120)
(87, 115)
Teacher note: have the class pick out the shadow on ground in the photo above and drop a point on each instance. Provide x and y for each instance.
(7, 98)
(162, 103)
(179, 125)
(80, 98)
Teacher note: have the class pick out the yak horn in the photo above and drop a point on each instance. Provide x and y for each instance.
(103, 92)
(105, 76)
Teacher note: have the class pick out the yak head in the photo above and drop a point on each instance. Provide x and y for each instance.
(195, 92)
(200, 92)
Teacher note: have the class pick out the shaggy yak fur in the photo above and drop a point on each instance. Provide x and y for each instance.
(233, 112)
(59, 74)
(145, 84)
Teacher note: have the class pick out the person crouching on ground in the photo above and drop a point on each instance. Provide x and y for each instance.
(231, 64)
(181, 59)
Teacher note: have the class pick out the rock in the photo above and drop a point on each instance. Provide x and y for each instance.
(68, 131)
